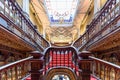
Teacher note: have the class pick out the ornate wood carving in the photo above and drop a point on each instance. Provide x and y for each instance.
(85, 65)
(107, 42)
(65, 71)
(9, 49)
(68, 35)
(11, 40)
(36, 66)
(103, 31)
(109, 51)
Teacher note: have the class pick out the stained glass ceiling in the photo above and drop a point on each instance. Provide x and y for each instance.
(61, 12)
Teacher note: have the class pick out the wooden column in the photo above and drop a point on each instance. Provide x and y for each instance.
(16, 72)
(37, 66)
(85, 65)
(0, 75)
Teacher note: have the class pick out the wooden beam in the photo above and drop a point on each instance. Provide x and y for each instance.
(9, 49)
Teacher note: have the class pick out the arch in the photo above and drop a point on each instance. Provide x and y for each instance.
(68, 48)
(60, 71)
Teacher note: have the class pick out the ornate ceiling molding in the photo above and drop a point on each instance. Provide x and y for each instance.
(62, 34)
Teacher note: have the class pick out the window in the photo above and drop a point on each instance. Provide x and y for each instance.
(61, 12)
(60, 77)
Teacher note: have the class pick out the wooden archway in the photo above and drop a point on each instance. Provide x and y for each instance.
(56, 71)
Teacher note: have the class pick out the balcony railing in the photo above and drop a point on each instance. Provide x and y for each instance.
(16, 70)
(13, 19)
(105, 70)
(106, 22)
(61, 58)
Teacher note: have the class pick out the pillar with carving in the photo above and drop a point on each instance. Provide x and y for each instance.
(37, 66)
(85, 65)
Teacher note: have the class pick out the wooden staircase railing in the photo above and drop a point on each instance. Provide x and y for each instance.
(105, 24)
(104, 70)
(98, 68)
(16, 70)
(13, 19)
(65, 57)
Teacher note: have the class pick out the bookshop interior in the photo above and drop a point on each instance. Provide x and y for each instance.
(59, 39)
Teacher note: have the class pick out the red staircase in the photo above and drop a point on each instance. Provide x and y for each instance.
(92, 78)
(63, 59)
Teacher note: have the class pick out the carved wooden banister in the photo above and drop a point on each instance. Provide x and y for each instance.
(16, 70)
(61, 57)
(105, 70)
(13, 19)
(103, 24)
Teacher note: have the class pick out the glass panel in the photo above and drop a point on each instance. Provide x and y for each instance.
(60, 77)
(3, 22)
(61, 12)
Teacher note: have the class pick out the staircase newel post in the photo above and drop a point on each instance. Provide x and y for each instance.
(37, 66)
(85, 65)
(0, 76)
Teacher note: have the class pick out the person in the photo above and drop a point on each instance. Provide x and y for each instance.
(60, 77)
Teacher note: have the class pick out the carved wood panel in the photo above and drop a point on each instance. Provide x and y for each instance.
(65, 71)
(107, 42)
(11, 40)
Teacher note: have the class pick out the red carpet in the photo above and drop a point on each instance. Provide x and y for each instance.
(62, 59)
(92, 78)
(29, 78)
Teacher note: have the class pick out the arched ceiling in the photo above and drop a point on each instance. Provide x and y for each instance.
(40, 9)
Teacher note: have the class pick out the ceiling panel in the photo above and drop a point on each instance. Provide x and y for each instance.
(61, 12)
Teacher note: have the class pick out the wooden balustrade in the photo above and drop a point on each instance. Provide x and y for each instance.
(16, 70)
(13, 19)
(106, 22)
(105, 70)
(61, 58)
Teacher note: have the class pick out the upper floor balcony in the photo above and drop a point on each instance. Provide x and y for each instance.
(103, 31)
(17, 29)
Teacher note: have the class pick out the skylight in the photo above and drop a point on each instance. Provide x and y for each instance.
(61, 12)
